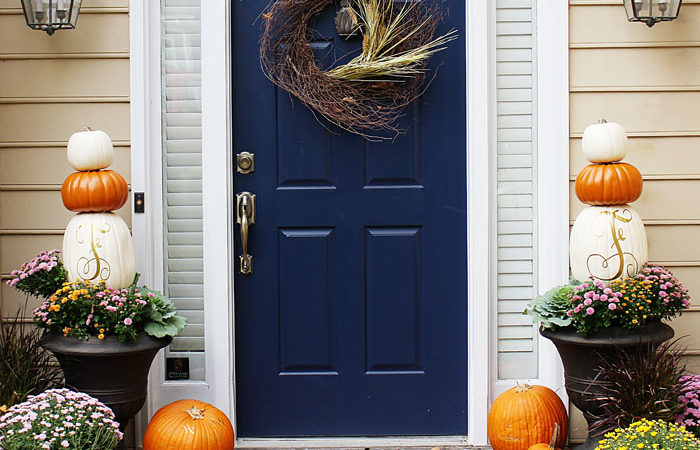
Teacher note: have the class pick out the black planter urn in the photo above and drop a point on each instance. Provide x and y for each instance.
(582, 356)
(114, 372)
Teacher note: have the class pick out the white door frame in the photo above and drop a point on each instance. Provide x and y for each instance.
(219, 387)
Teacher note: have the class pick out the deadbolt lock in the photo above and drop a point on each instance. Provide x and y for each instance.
(245, 163)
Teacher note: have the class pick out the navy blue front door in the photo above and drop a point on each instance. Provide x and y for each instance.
(353, 322)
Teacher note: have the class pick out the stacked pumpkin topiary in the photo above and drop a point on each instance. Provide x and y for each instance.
(97, 244)
(608, 240)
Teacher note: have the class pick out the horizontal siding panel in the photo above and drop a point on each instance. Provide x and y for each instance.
(57, 122)
(95, 33)
(48, 165)
(644, 67)
(18, 249)
(667, 156)
(660, 200)
(64, 78)
(611, 26)
(674, 242)
(687, 325)
(41, 210)
(13, 301)
(637, 112)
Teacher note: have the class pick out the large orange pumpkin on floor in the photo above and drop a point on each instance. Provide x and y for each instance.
(524, 416)
(609, 184)
(95, 191)
(189, 425)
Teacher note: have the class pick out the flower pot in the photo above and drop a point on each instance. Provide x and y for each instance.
(114, 372)
(582, 355)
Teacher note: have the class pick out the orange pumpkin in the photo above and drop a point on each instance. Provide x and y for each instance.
(524, 416)
(189, 425)
(609, 184)
(552, 443)
(94, 191)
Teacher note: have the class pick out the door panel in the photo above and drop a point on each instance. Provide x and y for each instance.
(353, 321)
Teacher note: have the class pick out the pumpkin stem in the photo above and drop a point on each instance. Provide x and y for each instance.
(195, 413)
(88, 128)
(602, 120)
(555, 436)
(522, 387)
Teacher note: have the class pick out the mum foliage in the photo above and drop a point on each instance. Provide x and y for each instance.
(83, 309)
(649, 434)
(59, 419)
(41, 276)
(651, 295)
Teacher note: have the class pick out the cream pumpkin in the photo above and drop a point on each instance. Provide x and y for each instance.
(98, 246)
(90, 150)
(607, 243)
(604, 142)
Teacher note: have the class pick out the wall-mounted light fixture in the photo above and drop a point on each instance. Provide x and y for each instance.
(51, 15)
(652, 11)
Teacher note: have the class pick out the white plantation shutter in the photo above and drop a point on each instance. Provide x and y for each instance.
(516, 162)
(182, 169)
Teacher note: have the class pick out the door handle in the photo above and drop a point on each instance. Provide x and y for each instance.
(245, 216)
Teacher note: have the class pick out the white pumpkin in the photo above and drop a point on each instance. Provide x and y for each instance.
(604, 142)
(98, 246)
(607, 243)
(90, 150)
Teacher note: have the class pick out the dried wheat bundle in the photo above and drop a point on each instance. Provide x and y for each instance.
(367, 95)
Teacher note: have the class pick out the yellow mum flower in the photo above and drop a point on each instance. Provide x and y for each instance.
(100, 336)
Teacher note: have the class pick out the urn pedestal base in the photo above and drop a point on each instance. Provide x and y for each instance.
(582, 355)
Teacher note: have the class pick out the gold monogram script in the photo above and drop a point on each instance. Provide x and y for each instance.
(92, 266)
(598, 264)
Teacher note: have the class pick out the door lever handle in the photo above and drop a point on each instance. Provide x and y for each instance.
(245, 216)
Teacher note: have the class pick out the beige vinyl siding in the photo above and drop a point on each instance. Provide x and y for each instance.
(648, 80)
(52, 86)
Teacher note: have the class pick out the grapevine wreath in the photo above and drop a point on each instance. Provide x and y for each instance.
(366, 95)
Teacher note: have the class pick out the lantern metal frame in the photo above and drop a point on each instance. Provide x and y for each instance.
(49, 17)
(635, 16)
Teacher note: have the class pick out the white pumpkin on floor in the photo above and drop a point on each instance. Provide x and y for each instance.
(98, 246)
(607, 243)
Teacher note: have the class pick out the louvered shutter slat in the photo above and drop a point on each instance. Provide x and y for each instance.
(515, 180)
(182, 167)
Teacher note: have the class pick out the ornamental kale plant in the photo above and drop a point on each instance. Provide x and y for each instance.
(41, 276)
(651, 295)
(59, 419)
(550, 309)
(649, 434)
(84, 309)
(690, 400)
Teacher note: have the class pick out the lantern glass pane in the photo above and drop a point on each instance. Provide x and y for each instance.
(50, 15)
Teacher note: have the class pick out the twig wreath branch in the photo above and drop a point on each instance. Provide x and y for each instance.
(367, 95)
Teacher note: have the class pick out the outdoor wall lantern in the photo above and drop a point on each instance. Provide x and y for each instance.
(51, 15)
(652, 11)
